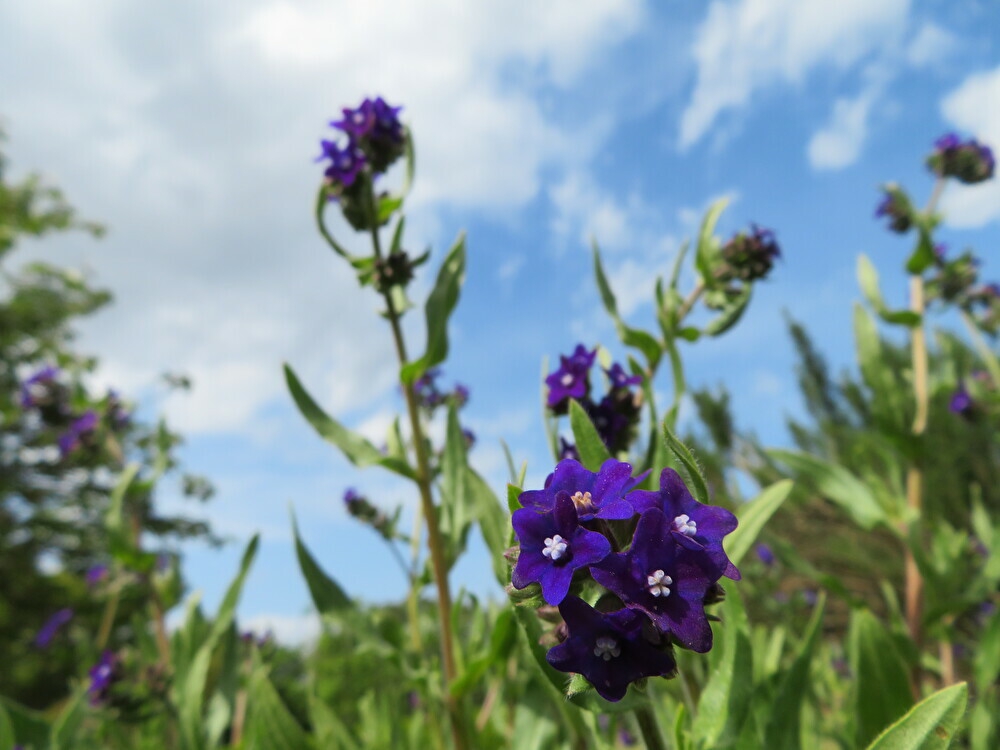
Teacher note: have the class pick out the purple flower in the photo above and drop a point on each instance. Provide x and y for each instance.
(95, 574)
(426, 390)
(376, 129)
(694, 525)
(571, 380)
(621, 379)
(553, 546)
(608, 649)
(600, 495)
(79, 429)
(961, 402)
(896, 207)
(36, 390)
(612, 418)
(102, 676)
(766, 554)
(52, 626)
(351, 496)
(665, 579)
(461, 395)
(749, 257)
(967, 161)
(469, 437)
(345, 163)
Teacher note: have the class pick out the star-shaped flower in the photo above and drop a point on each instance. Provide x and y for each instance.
(608, 649)
(664, 579)
(571, 380)
(694, 525)
(553, 546)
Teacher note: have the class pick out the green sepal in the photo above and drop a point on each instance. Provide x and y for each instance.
(440, 304)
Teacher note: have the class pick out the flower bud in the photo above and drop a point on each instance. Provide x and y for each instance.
(749, 257)
(967, 161)
(897, 207)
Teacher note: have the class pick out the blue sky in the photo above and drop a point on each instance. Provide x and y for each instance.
(190, 132)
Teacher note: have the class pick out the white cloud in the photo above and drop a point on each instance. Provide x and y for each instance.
(930, 45)
(966, 107)
(192, 137)
(838, 144)
(288, 630)
(748, 46)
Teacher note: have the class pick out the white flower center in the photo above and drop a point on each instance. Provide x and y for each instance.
(685, 525)
(567, 379)
(606, 648)
(582, 500)
(555, 547)
(658, 583)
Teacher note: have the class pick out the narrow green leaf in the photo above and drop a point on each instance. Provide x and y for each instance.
(326, 594)
(592, 450)
(696, 480)
(607, 295)
(357, 449)
(882, 685)
(753, 516)
(191, 694)
(329, 730)
(868, 281)
(494, 523)
(731, 314)
(113, 519)
(29, 728)
(7, 738)
(437, 310)
(456, 511)
(836, 483)
(929, 725)
(783, 730)
(270, 726)
(707, 251)
(633, 337)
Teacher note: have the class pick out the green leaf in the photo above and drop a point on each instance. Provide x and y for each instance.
(695, 479)
(592, 450)
(456, 511)
(783, 730)
(707, 252)
(270, 726)
(67, 725)
(438, 309)
(494, 523)
(355, 447)
(113, 519)
(7, 738)
(634, 337)
(923, 255)
(868, 281)
(190, 696)
(725, 702)
(28, 727)
(387, 206)
(329, 730)
(881, 679)
(835, 483)
(326, 594)
(502, 638)
(929, 725)
(731, 313)
(753, 516)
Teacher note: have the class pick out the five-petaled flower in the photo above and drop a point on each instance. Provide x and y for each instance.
(664, 579)
(554, 546)
(608, 649)
(600, 495)
(571, 380)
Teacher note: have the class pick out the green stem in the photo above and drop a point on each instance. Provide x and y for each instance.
(435, 541)
(688, 303)
(649, 729)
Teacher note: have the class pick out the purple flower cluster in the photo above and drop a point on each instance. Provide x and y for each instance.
(661, 580)
(375, 137)
(39, 389)
(615, 415)
(79, 431)
(430, 396)
(895, 206)
(967, 161)
(359, 507)
(749, 257)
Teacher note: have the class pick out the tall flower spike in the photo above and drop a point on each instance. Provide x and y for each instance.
(600, 495)
(664, 579)
(608, 649)
(694, 525)
(553, 546)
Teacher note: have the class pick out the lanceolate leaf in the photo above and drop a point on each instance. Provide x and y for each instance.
(592, 450)
(355, 448)
(696, 480)
(634, 337)
(438, 309)
(930, 725)
(326, 594)
(753, 516)
(881, 680)
(270, 726)
(707, 251)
